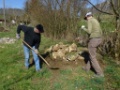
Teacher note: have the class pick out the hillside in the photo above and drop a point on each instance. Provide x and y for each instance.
(11, 11)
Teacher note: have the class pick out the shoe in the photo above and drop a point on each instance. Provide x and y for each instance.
(27, 68)
(84, 68)
(39, 70)
(98, 75)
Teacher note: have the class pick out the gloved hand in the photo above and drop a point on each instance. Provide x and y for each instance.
(17, 36)
(83, 27)
(36, 51)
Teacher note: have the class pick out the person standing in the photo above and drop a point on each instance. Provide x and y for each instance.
(95, 32)
(32, 36)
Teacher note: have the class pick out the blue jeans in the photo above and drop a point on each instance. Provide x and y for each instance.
(27, 57)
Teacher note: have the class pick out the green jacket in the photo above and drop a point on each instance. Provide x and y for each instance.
(94, 28)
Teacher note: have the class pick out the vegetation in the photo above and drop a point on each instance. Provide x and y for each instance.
(14, 76)
(61, 20)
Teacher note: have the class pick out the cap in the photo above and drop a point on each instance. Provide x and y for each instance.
(87, 14)
(40, 28)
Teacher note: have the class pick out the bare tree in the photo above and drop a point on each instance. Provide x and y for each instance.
(59, 17)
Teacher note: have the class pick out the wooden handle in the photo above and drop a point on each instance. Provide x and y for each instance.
(36, 53)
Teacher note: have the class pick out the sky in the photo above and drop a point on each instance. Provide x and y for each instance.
(13, 4)
(21, 3)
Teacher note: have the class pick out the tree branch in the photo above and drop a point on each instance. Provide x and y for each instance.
(113, 7)
(99, 9)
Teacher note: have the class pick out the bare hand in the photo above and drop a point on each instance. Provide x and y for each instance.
(36, 51)
(17, 36)
(83, 26)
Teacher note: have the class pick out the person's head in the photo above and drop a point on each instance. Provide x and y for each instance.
(39, 28)
(88, 15)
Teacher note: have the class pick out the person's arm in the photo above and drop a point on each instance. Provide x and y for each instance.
(89, 29)
(19, 28)
(37, 45)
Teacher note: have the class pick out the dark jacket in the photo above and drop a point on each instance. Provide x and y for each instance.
(30, 37)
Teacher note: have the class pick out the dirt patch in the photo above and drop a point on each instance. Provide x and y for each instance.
(62, 65)
(66, 65)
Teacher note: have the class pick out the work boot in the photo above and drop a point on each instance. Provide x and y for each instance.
(39, 70)
(26, 68)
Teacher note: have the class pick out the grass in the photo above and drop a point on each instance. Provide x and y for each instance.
(15, 77)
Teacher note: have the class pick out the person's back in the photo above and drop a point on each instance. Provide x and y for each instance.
(96, 29)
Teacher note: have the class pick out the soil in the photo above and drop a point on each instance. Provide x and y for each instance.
(65, 65)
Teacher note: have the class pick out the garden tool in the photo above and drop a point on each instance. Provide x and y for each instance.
(40, 56)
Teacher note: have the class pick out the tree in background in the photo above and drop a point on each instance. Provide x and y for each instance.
(59, 17)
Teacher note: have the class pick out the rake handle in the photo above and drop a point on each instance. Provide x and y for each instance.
(36, 53)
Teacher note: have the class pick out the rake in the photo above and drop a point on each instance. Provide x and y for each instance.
(40, 56)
